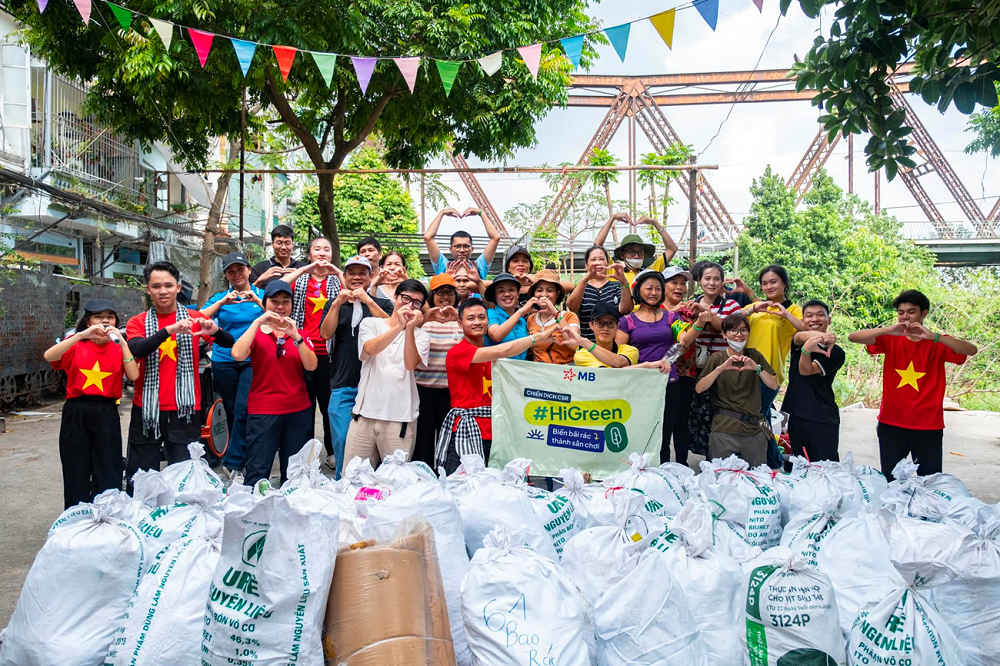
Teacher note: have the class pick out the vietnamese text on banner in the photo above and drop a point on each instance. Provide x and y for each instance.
(561, 416)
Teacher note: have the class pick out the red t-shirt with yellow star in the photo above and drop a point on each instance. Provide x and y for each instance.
(167, 353)
(913, 381)
(470, 384)
(315, 302)
(92, 369)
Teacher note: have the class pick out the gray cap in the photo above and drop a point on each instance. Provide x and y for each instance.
(358, 260)
(670, 272)
(234, 258)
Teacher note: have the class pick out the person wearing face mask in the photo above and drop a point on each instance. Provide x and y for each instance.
(441, 324)
(234, 310)
(282, 244)
(507, 320)
(549, 293)
(391, 272)
(653, 330)
(341, 321)
(280, 415)
(386, 410)
(313, 286)
(634, 253)
(596, 287)
(733, 379)
(90, 435)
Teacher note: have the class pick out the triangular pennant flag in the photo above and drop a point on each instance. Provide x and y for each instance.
(202, 43)
(573, 47)
(531, 54)
(760, 5)
(618, 36)
(448, 71)
(83, 6)
(123, 15)
(408, 67)
(363, 68)
(285, 55)
(491, 63)
(709, 10)
(244, 53)
(41, 5)
(664, 24)
(326, 62)
(165, 30)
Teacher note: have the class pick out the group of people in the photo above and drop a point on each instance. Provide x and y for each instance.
(393, 364)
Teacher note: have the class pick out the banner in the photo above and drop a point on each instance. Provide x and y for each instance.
(562, 416)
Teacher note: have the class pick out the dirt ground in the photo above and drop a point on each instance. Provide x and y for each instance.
(31, 491)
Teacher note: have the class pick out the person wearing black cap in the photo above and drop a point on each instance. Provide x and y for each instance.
(279, 412)
(603, 351)
(508, 320)
(90, 437)
(282, 243)
(518, 262)
(234, 310)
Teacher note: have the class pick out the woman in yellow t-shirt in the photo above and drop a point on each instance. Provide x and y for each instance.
(774, 321)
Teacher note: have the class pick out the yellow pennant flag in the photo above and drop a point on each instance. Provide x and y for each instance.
(664, 24)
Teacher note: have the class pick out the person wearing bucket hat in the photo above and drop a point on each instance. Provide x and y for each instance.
(507, 319)
(654, 330)
(234, 310)
(634, 252)
(94, 359)
(549, 291)
(518, 262)
(461, 242)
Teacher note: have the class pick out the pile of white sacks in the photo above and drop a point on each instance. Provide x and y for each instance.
(656, 565)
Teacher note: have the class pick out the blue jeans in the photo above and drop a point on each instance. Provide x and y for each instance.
(341, 404)
(767, 395)
(267, 434)
(232, 379)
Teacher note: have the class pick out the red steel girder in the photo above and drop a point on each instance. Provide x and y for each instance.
(911, 180)
(696, 78)
(817, 154)
(478, 195)
(995, 213)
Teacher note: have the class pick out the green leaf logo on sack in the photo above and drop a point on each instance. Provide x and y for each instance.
(253, 547)
(616, 436)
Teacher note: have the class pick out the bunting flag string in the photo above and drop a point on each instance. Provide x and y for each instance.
(408, 65)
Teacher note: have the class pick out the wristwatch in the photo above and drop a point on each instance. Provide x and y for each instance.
(298, 342)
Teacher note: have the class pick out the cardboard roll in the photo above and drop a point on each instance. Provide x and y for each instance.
(215, 432)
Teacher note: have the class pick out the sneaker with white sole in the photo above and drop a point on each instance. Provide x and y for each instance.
(236, 478)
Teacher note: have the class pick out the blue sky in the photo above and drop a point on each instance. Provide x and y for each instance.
(755, 135)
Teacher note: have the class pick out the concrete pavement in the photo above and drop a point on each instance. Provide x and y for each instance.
(31, 488)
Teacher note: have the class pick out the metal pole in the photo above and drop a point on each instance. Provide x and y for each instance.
(423, 211)
(47, 120)
(693, 214)
(243, 146)
(850, 164)
(878, 193)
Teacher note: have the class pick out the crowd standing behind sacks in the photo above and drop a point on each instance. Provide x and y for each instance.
(738, 564)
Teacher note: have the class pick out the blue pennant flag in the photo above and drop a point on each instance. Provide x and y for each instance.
(709, 10)
(244, 53)
(618, 36)
(573, 47)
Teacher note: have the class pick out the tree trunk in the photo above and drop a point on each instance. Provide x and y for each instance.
(206, 285)
(652, 198)
(611, 211)
(326, 212)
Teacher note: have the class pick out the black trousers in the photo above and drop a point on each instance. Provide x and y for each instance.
(814, 440)
(268, 434)
(434, 406)
(90, 448)
(675, 420)
(453, 460)
(924, 446)
(144, 449)
(318, 385)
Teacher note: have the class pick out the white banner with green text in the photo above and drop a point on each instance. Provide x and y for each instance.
(562, 416)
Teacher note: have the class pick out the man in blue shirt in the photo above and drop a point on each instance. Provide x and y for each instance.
(234, 310)
(461, 243)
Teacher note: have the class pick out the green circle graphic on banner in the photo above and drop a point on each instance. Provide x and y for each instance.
(616, 437)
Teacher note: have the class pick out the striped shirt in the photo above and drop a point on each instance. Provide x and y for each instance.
(710, 338)
(444, 336)
(610, 292)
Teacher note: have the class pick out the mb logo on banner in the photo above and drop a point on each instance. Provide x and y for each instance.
(560, 416)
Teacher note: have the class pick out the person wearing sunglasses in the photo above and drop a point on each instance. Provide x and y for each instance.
(279, 412)
(388, 404)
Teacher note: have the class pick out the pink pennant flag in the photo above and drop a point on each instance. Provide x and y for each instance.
(285, 55)
(408, 67)
(83, 6)
(41, 5)
(363, 68)
(760, 5)
(531, 54)
(202, 43)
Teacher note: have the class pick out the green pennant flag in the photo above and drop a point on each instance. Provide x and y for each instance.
(123, 15)
(326, 62)
(448, 71)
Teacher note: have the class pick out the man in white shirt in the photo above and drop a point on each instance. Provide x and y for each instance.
(386, 409)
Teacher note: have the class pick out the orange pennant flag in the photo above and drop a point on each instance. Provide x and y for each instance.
(664, 24)
(285, 55)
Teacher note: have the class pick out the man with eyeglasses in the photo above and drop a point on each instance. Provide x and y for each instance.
(386, 409)
(461, 243)
(282, 243)
(733, 378)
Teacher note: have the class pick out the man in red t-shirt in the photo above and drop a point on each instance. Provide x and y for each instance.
(911, 419)
(167, 399)
(467, 429)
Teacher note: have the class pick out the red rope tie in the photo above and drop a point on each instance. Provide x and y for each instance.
(612, 490)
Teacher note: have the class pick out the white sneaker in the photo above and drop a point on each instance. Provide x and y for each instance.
(236, 478)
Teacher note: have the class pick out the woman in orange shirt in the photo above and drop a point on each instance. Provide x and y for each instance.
(550, 294)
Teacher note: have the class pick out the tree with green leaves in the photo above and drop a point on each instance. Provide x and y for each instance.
(986, 126)
(151, 93)
(676, 155)
(955, 47)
